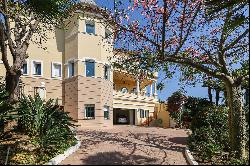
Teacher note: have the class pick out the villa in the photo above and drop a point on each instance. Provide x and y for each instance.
(75, 69)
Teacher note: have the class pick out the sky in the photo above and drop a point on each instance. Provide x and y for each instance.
(171, 85)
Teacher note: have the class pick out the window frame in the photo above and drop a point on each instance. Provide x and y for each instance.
(53, 68)
(27, 63)
(142, 113)
(108, 33)
(108, 72)
(69, 65)
(85, 111)
(92, 61)
(126, 90)
(91, 23)
(33, 69)
(108, 110)
(146, 113)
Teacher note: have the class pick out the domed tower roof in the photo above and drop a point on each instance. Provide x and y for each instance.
(92, 2)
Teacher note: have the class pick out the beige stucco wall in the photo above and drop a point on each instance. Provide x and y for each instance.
(80, 91)
(162, 113)
(98, 92)
(53, 87)
(74, 43)
(70, 96)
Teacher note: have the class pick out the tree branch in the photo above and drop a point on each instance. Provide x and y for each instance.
(3, 47)
(200, 67)
(236, 40)
(32, 29)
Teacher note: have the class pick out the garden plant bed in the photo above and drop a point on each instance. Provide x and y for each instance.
(24, 151)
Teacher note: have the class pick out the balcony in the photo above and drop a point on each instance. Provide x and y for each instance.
(132, 100)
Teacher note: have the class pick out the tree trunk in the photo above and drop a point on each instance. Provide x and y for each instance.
(12, 81)
(210, 96)
(237, 121)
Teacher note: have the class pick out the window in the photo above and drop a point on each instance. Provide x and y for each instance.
(25, 69)
(142, 114)
(90, 28)
(56, 70)
(146, 113)
(90, 68)
(37, 68)
(133, 91)
(124, 90)
(106, 112)
(107, 72)
(107, 34)
(71, 69)
(90, 111)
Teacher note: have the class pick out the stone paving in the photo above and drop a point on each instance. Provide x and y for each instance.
(130, 145)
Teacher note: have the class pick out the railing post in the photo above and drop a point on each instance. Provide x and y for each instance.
(155, 89)
(151, 90)
(137, 87)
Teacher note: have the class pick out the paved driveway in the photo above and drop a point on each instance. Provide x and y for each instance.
(130, 145)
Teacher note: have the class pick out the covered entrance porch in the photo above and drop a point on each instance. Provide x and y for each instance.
(123, 116)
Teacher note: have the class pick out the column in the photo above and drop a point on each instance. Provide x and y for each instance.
(151, 90)
(138, 87)
(155, 89)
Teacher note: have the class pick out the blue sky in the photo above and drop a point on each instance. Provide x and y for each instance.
(171, 85)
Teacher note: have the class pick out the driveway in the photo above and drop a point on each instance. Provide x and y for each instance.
(130, 145)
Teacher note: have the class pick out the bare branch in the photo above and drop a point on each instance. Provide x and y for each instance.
(236, 40)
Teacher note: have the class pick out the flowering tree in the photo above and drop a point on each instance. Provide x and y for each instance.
(201, 38)
(20, 21)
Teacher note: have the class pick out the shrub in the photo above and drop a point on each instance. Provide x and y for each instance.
(187, 110)
(158, 123)
(209, 132)
(45, 122)
(6, 109)
(175, 101)
(175, 104)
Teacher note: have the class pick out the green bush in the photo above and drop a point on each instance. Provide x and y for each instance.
(45, 122)
(158, 123)
(190, 107)
(6, 110)
(195, 104)
(209, 132)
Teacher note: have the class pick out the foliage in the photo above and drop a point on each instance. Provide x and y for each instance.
(209, 133)
(175, 101)
(48, 128)
(44, 121)
(5, 107)
(179, 36)
(24, 22)
(157, 123)
(190, 107)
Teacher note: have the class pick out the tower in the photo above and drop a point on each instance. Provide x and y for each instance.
(88, 78)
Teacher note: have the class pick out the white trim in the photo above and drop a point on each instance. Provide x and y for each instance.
(190, 157)
(88, 58)
(32, 68)
(1, 61)
(52, 69)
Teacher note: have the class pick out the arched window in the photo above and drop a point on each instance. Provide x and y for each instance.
(124, 90)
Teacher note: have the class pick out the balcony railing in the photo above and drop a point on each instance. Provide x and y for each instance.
(133, 96)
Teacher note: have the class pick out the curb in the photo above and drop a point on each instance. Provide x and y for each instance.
(189, 157)
(59, 158)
